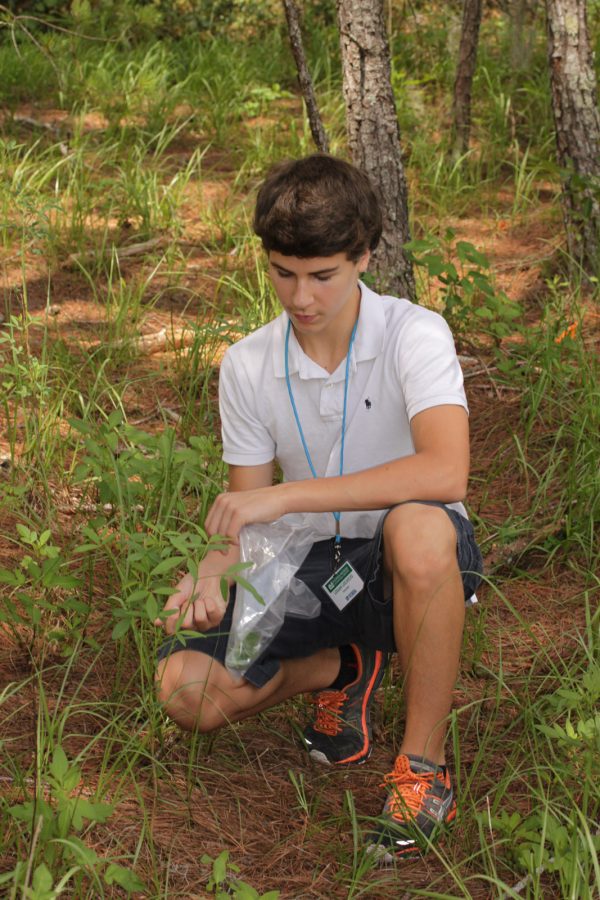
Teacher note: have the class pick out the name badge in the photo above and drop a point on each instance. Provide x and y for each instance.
(344, 585)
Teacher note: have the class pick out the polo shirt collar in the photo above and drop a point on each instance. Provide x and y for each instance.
(368, 342)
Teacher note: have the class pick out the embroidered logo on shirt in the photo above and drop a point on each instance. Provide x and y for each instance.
(368, 403)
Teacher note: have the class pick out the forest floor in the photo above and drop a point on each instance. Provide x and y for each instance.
(287, 823)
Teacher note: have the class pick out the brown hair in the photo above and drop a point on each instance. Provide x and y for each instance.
(317, 206)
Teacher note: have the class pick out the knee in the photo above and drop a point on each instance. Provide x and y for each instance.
(184, 696)
(420, 545)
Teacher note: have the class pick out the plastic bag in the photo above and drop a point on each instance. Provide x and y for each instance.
(276, 550)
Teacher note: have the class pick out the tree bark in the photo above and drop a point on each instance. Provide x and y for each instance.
(374, 134)
(577, 123)
(317, 130)
(465, 70)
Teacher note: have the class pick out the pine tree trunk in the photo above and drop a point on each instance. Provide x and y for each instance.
(577, 123)
(465, 70)
(374, 134)
(292, 15)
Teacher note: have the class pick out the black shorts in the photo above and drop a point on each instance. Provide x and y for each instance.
(367, 620)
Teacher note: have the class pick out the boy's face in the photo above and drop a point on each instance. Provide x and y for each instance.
(317, 293)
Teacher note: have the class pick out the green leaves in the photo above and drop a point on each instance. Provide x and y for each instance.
(40, 581)
(55, 821)
(468, 253)
(471, 303)
(555, 833)
(224, 884)
(542, 842)
(167, 565)
(125, 878)
(142, 477)
(42, 883)
(60, 765)
(147, 484)
(580, 727)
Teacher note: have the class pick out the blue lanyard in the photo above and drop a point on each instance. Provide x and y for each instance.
(337, 516)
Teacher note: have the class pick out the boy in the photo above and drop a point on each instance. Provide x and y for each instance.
(359, 399)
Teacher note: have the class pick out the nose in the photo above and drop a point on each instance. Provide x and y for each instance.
(301, 297)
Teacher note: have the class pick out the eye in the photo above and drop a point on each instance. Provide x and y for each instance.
(323, 277)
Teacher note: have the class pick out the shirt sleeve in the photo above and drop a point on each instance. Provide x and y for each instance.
(246, 440)
(429, 370)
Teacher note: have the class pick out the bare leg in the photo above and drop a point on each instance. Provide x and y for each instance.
(199, 693)
(429, 609)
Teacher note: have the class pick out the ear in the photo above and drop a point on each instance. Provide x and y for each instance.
(363, 262)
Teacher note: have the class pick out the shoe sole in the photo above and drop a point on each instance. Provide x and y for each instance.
(385, 857)
(320, 758)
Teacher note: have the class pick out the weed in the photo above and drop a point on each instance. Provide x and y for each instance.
(224, 882)
(558, 379)
(253, 296)
(146, 484)
(195, 373)
(42, 584)
(557, 837)
(469, 299)
(53, 825)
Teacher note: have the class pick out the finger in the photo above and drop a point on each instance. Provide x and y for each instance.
(188, 617)
(186, 587)
(235, 525)
(219, 521)
(219, 608)
(183, 592)
(206, 613)
(179, 616)
(170, 623)
(228, 517)
(211, 523)
(175, 601)
(161, 620)
(171, 606)
(212, 608)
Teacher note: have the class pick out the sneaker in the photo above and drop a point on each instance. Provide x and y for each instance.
(420, 803)
(341, 733)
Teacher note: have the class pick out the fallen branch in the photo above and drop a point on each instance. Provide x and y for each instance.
(507, 554)
(36, 123)
(478, 372)
(148, 344)
(120, 252)
(168, 413)
(46, 126)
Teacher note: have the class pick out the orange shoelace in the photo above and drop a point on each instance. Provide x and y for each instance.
(408, 788)
(329, 705)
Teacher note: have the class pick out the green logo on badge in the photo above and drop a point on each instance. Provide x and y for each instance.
(338, 577)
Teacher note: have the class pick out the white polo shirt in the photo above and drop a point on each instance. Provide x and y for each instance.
(403, 361)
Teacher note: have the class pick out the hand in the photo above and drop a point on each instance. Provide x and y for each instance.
(200, 603)
(231, 511)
